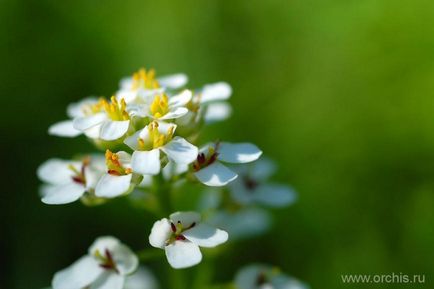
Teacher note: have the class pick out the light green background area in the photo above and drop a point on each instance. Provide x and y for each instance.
(339, 92)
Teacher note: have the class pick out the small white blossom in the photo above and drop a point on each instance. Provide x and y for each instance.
(65, 128)
(67, 181)
(181, 235)
(106, 266)
(104, 120)
(251, 186)
(117, 180)
(258, 276)
(208, 166)
(144, 84)
(156, 137)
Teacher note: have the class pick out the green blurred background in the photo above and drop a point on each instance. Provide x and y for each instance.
(340, 92)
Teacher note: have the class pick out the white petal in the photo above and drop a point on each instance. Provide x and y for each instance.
(216, 91)
(173, 81)
(180, 151)
(62, 194)
(109, 280)
(215, 175)
(274, 195)
(112, 130)
(185, 218)
(142, 279)
(183, 254)
(206, 236)
(146, 162)
(164, 127)
(103, 243)
(127, 95)
(263, 169)
(94, 131)
(126, 261)
(76, 109)
(86, 122)
(124, 158)
(110, 186)
(180, 99)
(93, 173)
(79, 275)
(64, 129)
(217, 112)
(242, 224)
(57, 171)
(240, 192)
(132, 141)
(176, 112)
(238, 152)
(160, 233)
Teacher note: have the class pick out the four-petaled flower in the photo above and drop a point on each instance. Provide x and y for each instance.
(251, 187)
(208, 167)
(67, 181)
(106, 265)
(148, 142)
(181, 235)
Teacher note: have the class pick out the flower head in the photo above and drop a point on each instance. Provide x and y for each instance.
(181, 235)
(67, 181)
(259, 276)
(156, 137)
(106, 265)
(208, 166)
(252, 187)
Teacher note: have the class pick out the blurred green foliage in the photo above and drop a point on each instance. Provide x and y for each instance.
(339, 92)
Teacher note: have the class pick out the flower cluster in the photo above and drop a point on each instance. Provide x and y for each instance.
(149, 133)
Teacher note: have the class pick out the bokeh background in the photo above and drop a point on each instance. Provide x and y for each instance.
(340, 92)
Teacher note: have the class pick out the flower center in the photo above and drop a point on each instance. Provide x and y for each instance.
(144, 79)
(160, 106)
(250, 183)
(106, 260)
(156, 138)
(177, 230)
(116, 110)
(203, 160)
(114, 166)
(79, 175)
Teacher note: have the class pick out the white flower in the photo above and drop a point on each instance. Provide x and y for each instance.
(252, 187)
(117, 180)
(106, 266)
(208, 167)
(162, 107)
(209, 103)
(141, 279)
(258, 276)
(143, 84)
(65, 128)
(240, 223)
(104, 120)
(67, 180)
(156, 137)
(181, 235)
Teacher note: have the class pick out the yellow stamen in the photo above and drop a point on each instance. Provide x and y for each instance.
(160, 106)
(114, 166)
(144, 79)
(157, 139)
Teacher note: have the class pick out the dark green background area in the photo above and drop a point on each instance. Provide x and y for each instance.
(340, 92)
